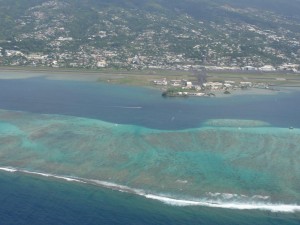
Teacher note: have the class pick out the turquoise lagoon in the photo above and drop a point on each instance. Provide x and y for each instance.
(233, 157)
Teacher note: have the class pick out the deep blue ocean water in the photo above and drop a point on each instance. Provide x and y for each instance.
(34, 200)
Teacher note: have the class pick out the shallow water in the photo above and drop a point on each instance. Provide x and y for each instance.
(143, 107)
(246, 162)
(223, 153)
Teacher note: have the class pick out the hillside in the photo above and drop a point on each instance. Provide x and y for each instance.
(149, 34)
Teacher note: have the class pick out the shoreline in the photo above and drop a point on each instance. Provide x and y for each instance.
(240, 92)
(129, 78)
(105, 71)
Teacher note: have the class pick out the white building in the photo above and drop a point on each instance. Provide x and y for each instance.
(175, 83)
(249, 68)
(289, 67)
(228, 85)
(161, 82)
(213, 85)
(229, 82)
(267, 68)
(245, 84)
(188, 84)
(36, 56)
(13, 53)
(65, 39)
(101, 64)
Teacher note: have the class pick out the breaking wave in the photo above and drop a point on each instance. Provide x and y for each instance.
(66, 178)
(8, 169)
(214, 200)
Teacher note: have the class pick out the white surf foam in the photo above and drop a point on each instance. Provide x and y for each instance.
(251, 205)
(230, 204)
(118, 187)
(229, 196)
(127, 107)
(260, 197)
(70, 179)
(8, 169)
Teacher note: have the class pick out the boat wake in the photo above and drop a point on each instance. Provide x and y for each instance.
(251, 204)
(126, 107)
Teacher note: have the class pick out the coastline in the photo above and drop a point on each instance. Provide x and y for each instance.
(251, 91)
(165, 201)
(124, 78)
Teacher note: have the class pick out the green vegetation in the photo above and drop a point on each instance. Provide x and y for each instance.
(161, 35)
(270, 78)
(173, 92)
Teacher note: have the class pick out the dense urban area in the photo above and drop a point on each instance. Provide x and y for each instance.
(60, 34)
